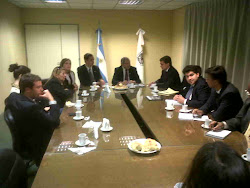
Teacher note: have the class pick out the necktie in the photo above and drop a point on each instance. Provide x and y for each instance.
(189, 93)
(92, 79)
(126, 75)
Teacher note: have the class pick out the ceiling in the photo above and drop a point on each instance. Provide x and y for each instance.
(106, 4)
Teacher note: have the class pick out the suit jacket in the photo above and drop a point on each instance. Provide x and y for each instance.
(225, 105)
(118, 75)
(200, 93)
(169, 79)
(58, 92)
(34, 125)
(84, 77)
(241, 121)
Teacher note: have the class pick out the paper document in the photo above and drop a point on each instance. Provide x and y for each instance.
(218, 134)
(169, 91)
(185, 116)
(202, 118)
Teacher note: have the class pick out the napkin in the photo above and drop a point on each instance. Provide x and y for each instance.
(92, 124)
(218, 134)
(81, 150)
(169, 91)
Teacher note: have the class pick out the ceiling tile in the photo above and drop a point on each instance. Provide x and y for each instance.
(80, 1)
(184, 3)
(170, 7)
(105, 1)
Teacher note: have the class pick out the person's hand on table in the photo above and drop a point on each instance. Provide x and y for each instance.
(47, 94)
(101, 82)
(151, 84)
(125, 82)
(216, 126)
(198, 112)
(179, 98)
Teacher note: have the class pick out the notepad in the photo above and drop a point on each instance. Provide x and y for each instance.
(218, 134)
(169, 91)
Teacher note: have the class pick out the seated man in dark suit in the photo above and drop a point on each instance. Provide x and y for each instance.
(89, 73)
(169, 77)
(197, 92)
(240, 122)
(225, 100)
(34, 125)
(125, 73)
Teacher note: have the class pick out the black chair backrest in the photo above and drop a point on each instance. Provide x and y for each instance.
(17, 144)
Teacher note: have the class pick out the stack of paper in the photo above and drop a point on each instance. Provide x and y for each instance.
(169, 91)
(218, 134)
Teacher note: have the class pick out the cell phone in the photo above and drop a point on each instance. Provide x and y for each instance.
(72, 114)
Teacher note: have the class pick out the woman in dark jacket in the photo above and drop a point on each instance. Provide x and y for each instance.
(55, 86)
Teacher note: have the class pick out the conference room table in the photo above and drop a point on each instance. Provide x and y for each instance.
(112, 164)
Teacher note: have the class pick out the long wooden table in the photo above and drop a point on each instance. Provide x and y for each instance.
(112, 164)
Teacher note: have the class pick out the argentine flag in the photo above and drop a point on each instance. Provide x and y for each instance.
(100, 60)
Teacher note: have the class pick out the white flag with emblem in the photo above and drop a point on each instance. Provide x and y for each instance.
(139, 54)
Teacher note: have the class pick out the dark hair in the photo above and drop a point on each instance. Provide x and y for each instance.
(166, 59)
(194, 68)
(217, 165)
(63, 61)
(27, 80)
(124, 59)
(18, 69)
(87, 56)
(217, 73)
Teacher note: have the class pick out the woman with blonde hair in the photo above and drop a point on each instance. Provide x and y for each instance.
(55, 86)
(69, 82)
(18, 71)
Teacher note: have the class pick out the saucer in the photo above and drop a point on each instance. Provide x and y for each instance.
(93, 89)
(205, 127)
(132, 87)
(169, 108)
(244, 156)
(82, 105)
(85, 95)
(78, 118)
(78, 143)
(106, 130)
(185, 111)
(155, 91)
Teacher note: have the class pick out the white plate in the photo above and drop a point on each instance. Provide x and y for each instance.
(106, 130)
(244, 156)
(78, 143)
(185, 111)
(169, 108)
(70, 105)
(82, 105)
(78, 118)
(87, 94)
(142, 140)
(205, 127)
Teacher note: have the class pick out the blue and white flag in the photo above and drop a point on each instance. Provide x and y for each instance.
(100, 58)
(139, 55)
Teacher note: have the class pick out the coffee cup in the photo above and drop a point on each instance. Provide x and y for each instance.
(207, 122)
(94, 83)
(153, 85)
(132, 85)
(184, 107)
(155, 88)
(79, 114)
(248, 154)
(82, 138)
(84, 92)
(78, 104)
(92, 87)
(85, 99)
(169, 104)
(169, 114)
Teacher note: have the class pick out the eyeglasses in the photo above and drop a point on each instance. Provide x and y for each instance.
(247, 92)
